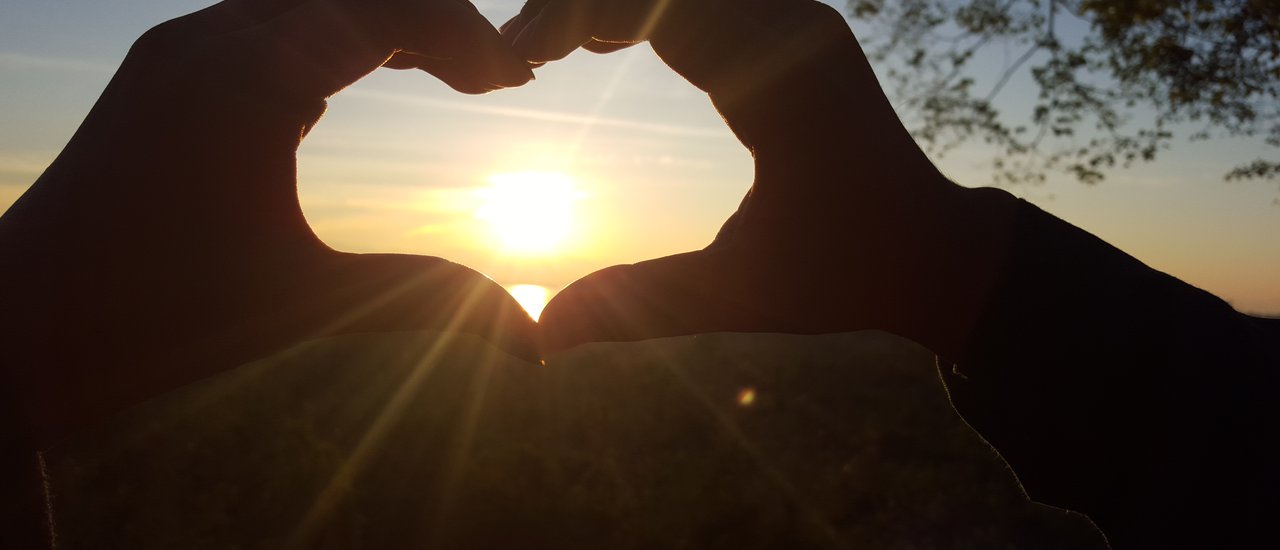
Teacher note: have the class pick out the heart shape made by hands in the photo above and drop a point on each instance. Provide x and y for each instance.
(169, 229)
(167, 244)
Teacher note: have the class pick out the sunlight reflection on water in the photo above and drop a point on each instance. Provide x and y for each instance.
(531, 297)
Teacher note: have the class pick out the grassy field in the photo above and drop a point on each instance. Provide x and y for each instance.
(416, 440)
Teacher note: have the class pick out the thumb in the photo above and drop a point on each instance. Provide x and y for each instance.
(321, 46)
(671, 296)
(773, 66)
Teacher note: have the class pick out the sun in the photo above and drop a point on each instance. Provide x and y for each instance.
(529, 212)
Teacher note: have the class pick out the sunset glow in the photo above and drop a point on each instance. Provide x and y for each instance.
(529, 212)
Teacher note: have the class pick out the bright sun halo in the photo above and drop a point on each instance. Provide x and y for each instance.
(529, 212)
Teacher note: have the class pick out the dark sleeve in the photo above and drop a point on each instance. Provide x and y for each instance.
(1118, 391)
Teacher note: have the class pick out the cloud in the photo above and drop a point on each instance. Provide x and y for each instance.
(540, 115)
(21, 168)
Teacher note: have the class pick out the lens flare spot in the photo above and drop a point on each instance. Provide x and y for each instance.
(747, 397)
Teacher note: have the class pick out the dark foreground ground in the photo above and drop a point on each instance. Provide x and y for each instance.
(418, 441)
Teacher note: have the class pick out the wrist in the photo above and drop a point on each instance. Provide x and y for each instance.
(973, 230)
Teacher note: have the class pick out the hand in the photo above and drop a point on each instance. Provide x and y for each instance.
(738, 51)
(847, 226)
(166, 242)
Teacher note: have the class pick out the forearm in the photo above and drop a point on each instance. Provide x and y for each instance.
(1121, 392)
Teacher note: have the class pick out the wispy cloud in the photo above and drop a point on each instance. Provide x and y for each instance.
(539, 115)
(21, 166)
(21, 61)
(18, 171)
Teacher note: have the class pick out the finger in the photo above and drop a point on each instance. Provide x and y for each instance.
(473, 304)
(611, 305)
(513, 25)
(307, 53)
(531, 8)
(230, 15)
(382, 292)
(772, 67)
(601, 47)
(464, 35)
(179, 36)
(447, 70)
(528, 12)
(559, 28)
(403, 61)
(672, 296)
(248, 11)
(320, 47)
(512, 28)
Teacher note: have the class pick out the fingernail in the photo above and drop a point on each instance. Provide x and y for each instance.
(511, 71)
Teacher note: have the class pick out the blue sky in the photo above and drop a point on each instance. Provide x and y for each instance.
(394, 164)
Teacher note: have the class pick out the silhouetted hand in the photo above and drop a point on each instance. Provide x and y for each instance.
(847, 226)
(166, 242)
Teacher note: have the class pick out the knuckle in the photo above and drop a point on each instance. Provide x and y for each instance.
(161, 40)
(823, 15)
(163, 50)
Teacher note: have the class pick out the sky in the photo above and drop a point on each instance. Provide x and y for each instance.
(401, 163)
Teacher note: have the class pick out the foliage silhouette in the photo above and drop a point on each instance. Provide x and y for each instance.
(1144, 71)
